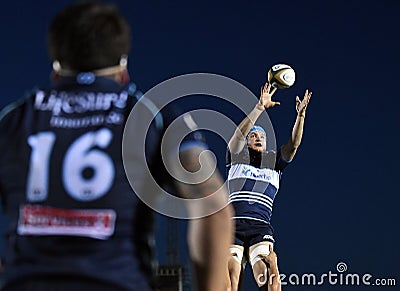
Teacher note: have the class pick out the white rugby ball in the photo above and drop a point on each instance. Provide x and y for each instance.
(281, 76)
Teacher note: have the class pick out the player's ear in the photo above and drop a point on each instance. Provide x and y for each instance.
(122, 77)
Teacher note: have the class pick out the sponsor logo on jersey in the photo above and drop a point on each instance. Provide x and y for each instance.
(249, 172)
(43, 220)
(68, 103)
(259, 174)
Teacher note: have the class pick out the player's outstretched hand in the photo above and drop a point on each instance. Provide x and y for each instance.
(266, 96)
(301, 105)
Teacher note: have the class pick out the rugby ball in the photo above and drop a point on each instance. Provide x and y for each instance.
(281, 76)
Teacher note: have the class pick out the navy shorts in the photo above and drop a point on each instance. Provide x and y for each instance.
(249, 232)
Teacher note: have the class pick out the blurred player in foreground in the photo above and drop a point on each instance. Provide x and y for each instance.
(253, 182)
(73, 221)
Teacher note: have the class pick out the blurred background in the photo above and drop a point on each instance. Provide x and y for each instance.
(339, 200)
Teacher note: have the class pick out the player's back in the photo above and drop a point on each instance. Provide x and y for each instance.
(69, 207)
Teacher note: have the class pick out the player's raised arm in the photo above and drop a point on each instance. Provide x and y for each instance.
(238, 140)
(290, 148)
(209, 237)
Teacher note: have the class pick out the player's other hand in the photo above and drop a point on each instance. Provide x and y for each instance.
(301, 105)
(267, 91)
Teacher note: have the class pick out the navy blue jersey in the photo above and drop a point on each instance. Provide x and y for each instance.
(253, 182)
(69, 206)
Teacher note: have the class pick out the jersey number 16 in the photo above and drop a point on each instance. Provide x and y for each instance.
(80, 155)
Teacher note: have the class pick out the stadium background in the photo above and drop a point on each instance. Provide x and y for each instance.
(339, 200)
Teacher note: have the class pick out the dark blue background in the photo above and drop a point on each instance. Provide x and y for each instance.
(339, 199)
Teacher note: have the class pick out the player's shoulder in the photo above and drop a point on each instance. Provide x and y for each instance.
(164, 113)
(11, 115)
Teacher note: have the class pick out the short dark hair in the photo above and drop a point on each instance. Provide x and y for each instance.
(88, 36)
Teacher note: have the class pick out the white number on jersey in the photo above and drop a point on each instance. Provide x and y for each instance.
(37, 183)
(81, 156)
